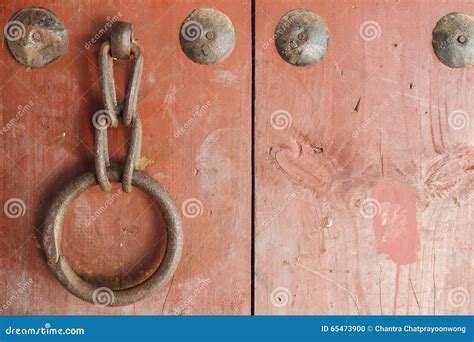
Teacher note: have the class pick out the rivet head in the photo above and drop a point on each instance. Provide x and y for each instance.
(453, 40)
(207, 36)
(35, 37)
(301, 37)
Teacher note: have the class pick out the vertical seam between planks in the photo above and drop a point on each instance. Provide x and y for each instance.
(252, 202)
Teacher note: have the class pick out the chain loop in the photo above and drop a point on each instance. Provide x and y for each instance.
(120, 46)
(106, 65)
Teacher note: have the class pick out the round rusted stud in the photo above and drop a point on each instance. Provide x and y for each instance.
(207, 36)
(35, 37)
(453, 40)
(301, 37)
(121, 39)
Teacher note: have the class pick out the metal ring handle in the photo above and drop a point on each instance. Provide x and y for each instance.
(86, 290)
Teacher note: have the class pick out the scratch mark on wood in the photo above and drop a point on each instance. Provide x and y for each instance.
(354, 299)
(380, 290)
(397, 287)
(356, 108)
(450, 175)
(167, 294)
(414, 293)
(303, 164)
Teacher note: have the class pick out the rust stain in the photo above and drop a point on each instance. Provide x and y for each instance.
(144, 162)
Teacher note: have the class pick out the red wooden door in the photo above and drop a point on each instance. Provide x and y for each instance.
(363, 188)
(361, 181)
(196, 142)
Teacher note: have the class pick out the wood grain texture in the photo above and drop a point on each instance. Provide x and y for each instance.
(196, 142)
(364, 182)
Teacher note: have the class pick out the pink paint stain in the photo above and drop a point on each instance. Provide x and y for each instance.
(396, 232)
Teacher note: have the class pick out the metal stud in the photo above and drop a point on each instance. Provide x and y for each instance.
(35, 37)
(207, 36)
(301, 37)
(453, 40)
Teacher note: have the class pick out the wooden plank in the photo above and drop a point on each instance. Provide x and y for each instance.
(369, 126)
(196, 142)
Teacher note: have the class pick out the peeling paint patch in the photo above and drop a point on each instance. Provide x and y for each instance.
(228, 79)
(215, 162)
(396, 232)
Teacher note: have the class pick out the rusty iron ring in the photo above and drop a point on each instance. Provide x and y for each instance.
(88, 291)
